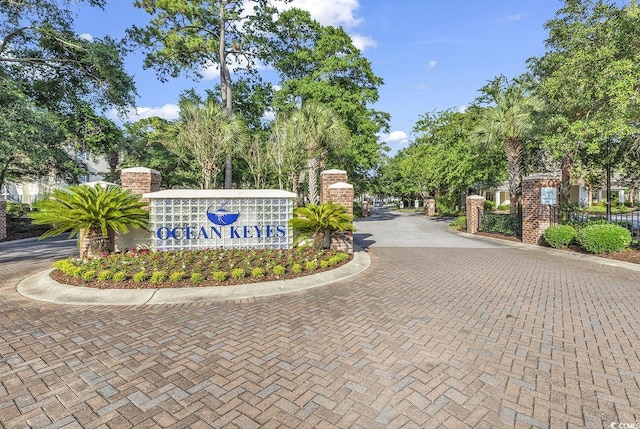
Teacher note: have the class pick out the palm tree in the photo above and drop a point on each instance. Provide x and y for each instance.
(508, 123)
(318, 221)
(93, 211)
(286, 156)
(320, 130)
(207, 133)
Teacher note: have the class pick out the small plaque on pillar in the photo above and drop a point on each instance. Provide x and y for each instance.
(548, 196)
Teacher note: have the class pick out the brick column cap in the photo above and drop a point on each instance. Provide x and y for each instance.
(139, 170)
(475, 197)
(541, 176)
(333, 172)
(341, 185)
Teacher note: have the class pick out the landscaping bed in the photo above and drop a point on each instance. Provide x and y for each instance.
(195, 268)
(628, 255)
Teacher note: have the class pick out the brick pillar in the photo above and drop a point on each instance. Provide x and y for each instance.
(475, 209)
(342, 193)
(334, 188)
(536, 213)
(329, 177)
(140, 180)
(3, 219)
(429, 207)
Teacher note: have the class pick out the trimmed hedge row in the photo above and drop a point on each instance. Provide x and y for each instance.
(595, 238)
(502, 224)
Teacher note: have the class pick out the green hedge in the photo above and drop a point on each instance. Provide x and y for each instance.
(459, 223)
(559, 236)
(604, 238)
(501, 224)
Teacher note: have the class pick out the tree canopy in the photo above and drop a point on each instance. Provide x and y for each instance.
(49, 75)
(320, 64)
(589, 79)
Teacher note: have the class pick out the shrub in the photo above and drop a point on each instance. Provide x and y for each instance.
(311, 265)
(238, 273)
(257, 272)
(105, 275)
(279, 270)
(324, 264)
(502, 224)
(489, 205)
(197, 278)
(140, 276)
(604, 238)
(176, 276)
(119, 276)
(65, 266)
(504, 207)
(89, 275)
(461, 222)
(296, 268)
(220, 276)
(334, 260)
(158, 277)
(560, 235)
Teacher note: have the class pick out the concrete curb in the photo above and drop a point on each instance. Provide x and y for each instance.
(41, 287)
(555, 252)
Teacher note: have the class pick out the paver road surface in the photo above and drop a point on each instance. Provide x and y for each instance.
(441, 331)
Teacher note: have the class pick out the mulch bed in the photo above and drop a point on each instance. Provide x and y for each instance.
(60, 277)
(627, 255)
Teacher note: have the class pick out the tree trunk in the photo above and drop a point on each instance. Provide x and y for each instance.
(312, 166)
(566, 166)
(5, 167)
(114, 160)
(225, 88)
(513, 152)
(97, 244)
(326, 243)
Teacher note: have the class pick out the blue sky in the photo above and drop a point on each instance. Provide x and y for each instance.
(432, 54)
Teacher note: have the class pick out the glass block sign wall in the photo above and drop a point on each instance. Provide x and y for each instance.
(208, 219)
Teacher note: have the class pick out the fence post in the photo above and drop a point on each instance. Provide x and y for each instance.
(475, 210)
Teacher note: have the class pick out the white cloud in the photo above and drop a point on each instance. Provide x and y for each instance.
(432, 64)
(269, 115)
(169, 112)
(394, 137)
(421, 87)
(462, 109)
(363, 42)
(512, 18)
(330, 12)
(86, 36)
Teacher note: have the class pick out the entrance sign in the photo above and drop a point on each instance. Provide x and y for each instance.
(209, 219)
(548, 196)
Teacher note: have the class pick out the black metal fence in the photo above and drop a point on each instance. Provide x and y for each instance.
(577, 218)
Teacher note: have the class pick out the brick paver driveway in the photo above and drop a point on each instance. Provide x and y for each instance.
(470, 335)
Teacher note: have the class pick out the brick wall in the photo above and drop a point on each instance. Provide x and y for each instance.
(3, 219)
(475, 208)
(536, 217)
